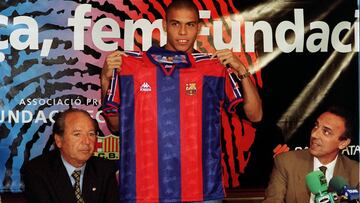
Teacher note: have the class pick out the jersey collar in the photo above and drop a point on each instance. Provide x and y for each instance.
(168, 60)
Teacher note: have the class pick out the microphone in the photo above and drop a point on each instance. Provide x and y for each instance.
(341, 187)
(317, 184)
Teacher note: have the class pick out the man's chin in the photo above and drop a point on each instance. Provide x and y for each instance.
(183, 48)
(85, 158)
(87, 154)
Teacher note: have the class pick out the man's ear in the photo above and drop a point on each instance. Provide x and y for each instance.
(164, 24)
(344, 143)
(199, 25)
(58, 140)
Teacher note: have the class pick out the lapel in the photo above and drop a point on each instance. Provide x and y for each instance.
(90, 187)
(305, 166)
(61, 180)
(339, 169)
(348, 170)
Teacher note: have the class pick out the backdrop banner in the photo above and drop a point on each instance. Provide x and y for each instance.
(303, 56)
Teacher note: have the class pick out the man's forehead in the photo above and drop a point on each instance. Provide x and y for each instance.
(330, 120)
(184, 21)
(81, 128)
(77, 115)
(182, 14)
(78, 120)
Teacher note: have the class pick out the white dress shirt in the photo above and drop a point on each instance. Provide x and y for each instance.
(70, 169)
(329, 172)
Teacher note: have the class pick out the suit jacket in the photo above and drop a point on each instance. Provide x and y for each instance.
(287, 182)
(46, 180)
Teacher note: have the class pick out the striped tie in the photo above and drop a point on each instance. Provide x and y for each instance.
(76, 176)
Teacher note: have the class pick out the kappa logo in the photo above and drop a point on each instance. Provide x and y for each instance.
(145, 87)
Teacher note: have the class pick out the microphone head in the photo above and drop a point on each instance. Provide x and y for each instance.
(316, 182)
(341, 186)
(337, 184)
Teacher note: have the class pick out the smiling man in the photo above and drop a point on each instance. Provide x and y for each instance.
(182, 25)
(70, 173)
(331, 133)
(166, 106)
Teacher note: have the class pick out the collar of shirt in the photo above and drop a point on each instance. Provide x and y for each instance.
(330, 168)
(70, 169)
(160, 56)
(329, 172)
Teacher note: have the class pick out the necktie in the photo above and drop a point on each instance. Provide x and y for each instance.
(76, 176)
(323, 170)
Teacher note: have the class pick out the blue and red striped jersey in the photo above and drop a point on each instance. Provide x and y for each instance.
(169, 106)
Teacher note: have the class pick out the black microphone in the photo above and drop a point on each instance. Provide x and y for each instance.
(345, 193)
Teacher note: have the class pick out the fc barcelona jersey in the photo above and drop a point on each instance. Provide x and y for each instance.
(169, 106)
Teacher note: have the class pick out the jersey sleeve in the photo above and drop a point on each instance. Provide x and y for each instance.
(111, 102)
(233, 94)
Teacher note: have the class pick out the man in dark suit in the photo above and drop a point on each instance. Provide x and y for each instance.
(331, 134)
(70, 173)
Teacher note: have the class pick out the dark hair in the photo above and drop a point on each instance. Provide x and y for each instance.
(59, 125)
(345, 114)
(178, 4)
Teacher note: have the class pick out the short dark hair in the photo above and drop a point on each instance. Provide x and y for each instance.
(59, 125)
(178, 4)
(349, 123)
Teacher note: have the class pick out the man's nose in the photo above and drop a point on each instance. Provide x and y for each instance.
(183, 30)
(315, 132)
(86, 139)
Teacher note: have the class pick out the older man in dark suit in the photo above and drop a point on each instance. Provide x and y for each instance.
(70, 173)
(331, 134)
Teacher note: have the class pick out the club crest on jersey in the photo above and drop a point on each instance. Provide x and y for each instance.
(145, 87)
(190, 88)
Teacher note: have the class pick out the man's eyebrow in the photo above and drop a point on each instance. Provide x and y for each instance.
(78, 130)
(174, 21)
(178, 21)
